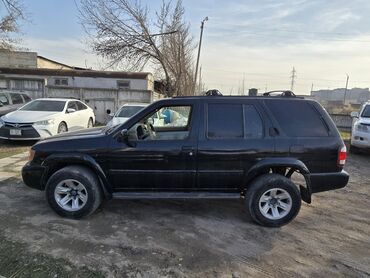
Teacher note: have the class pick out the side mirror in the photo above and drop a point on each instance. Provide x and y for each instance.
(111, 115)
(124, 137)
(354, 114)
(71, 110)
(1, 104)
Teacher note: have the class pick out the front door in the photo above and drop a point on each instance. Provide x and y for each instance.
(162, 154)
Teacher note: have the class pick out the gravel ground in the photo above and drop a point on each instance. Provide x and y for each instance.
(329, 238)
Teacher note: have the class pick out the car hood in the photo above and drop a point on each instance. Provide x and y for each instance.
(89, 132)
(20, 116)
(117, 120)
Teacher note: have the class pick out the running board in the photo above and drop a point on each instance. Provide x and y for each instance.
(175, 195)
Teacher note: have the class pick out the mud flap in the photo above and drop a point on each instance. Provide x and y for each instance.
(305, 194)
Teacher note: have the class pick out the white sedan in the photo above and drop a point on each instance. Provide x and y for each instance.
(46, 117)
(130, 109)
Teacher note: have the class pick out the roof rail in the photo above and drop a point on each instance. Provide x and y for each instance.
(280, 93)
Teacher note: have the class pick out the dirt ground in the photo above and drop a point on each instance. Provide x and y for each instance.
(329, 238)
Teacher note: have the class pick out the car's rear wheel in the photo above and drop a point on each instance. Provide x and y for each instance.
(74, 192)
(62, 127)
(90, 123)
(273, 200)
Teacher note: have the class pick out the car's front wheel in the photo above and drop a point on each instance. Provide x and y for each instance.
(74, 192)
(273, 200)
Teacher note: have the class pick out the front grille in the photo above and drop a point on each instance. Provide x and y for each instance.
(27, 132)
(17, 125)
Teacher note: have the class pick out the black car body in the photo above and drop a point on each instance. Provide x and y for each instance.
(223, 146)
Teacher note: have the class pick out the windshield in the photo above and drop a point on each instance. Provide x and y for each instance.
(366, 112)
(128, 111)
(44, 105)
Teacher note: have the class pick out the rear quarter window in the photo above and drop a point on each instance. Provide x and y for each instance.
(298, 118)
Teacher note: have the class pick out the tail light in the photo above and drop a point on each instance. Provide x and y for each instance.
(342, 156)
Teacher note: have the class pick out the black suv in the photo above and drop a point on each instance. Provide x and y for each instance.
(197, 147)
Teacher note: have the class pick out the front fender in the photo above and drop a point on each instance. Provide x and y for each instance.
(265, 164)
(65, 159)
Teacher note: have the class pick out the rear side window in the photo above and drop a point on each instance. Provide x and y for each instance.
(297, 118)
(4, 99)
(225, 121)
(253, 126)
(16, 98)
(26, 98)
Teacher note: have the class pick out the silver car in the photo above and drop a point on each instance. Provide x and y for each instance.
(11, 101)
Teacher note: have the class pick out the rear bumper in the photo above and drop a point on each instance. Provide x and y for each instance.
(32, 175)
(328, 181)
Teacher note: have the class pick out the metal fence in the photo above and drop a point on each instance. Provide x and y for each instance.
(342, 121)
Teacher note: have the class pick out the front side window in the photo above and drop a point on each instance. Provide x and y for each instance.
(225, 121)
(166, 123)
(44, 105)
(16, 98)
(26, 98)
(366, 112)
(81, 106)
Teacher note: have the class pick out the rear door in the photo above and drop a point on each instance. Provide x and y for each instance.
(234, 138)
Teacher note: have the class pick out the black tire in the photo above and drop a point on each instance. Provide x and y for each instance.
(62, 127)
(90, 123)
(87, 178)
(265, 183)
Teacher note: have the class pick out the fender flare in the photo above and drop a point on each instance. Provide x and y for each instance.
(66, 159)
(267, 163)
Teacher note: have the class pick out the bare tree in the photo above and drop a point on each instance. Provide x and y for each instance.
(9, 23)
(123, 32)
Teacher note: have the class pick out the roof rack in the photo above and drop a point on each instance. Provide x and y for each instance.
(280, 93)
(213, 92)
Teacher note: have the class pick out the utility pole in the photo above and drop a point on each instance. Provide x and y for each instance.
(243, 88)
(345, 90)
(311, 89)
(199, 47)
(293, 77)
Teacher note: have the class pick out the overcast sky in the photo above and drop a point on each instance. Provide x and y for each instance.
(260, 40)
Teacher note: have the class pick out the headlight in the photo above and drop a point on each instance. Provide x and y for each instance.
(46, 122)
(362, 128)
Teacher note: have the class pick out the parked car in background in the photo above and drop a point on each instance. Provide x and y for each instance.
(45, 117)
(211, 147)
(127, 111)
(11, 101)
(360, 138)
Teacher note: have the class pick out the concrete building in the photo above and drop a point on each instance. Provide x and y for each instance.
(101, 90)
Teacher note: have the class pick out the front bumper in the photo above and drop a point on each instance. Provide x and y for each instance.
(360, 139)
(26, 133)
(32, 175)
(328, 181)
